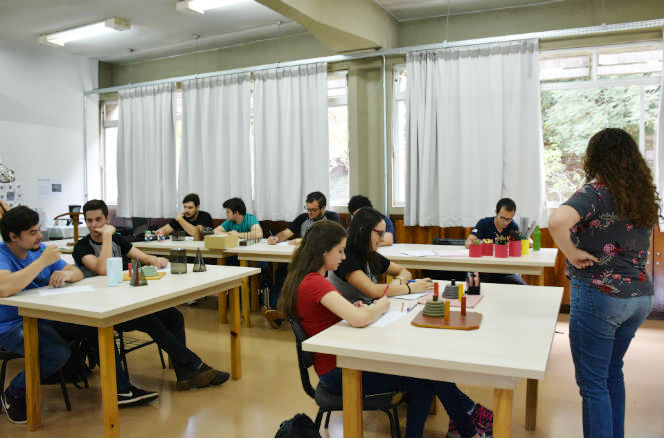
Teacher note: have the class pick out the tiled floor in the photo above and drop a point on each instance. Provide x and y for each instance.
(270, 391)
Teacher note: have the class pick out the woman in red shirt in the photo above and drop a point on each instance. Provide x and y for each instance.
(312, 300)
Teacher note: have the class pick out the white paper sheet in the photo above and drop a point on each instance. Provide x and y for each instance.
(419, 253)
(456, 253)
(388, 318)
(284, 243)
(412, 296)
(62, 290)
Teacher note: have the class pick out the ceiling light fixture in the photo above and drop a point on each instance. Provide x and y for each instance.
(91, 30)
(196, 7)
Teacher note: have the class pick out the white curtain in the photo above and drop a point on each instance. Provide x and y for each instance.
(146, 152)
(475, 134)
(215, 159)
(291, 139)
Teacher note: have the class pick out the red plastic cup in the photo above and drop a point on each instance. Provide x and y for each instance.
(500, 250)
(487, 249)
(475, 250)
(515, 248)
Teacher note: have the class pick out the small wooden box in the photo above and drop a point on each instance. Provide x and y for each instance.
(221, 241)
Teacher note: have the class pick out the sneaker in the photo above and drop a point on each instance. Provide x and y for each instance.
(219, 377)
(452, 431)
(15, 408)
(197, 379)
(136, 396)
(483, 420)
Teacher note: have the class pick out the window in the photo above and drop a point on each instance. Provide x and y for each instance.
(337, 117)
(109, 143)
(399, 136)
(586, 90)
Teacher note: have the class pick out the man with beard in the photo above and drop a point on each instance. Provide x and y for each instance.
(189, 219)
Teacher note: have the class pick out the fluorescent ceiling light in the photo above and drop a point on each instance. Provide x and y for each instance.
(91, 30)
(195, 7)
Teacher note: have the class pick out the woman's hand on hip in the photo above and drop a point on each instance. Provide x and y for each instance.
(582, 259)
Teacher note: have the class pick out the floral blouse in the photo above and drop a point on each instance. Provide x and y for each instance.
(621, 247)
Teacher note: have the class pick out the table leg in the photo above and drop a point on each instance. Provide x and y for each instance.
(502, 412)
(223, 308)
(236, 353)
(109, 390)
(540, 278)
(32, 381)
(352, 402)
(531, 404)
(254, 280)
(246, 315)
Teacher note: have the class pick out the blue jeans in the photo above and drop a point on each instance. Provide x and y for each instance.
(421, 391)
(601, 328)
(53, 352)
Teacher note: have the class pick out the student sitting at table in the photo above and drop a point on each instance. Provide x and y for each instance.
(238, 221)
(489, 227)
(359, 201)
(357, 276)
(313, 301)
(188, 220)
(166, 327)
(25, 263)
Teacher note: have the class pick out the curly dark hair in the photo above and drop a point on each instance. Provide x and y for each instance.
(614, 159)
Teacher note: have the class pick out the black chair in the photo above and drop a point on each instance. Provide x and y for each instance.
(6, 356)
(446, 274)
(127, 344)
(328, 402)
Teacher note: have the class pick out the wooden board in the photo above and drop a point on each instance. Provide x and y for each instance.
(455, 321)
(125, 276)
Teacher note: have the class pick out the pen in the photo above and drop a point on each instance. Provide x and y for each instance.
(402, 307)
(385, 291)
(411, 308)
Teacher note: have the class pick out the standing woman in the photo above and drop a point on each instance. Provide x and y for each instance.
(604, 231)
(313, 301)
(357, 276)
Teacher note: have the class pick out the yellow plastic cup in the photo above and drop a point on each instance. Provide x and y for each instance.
(525, 247)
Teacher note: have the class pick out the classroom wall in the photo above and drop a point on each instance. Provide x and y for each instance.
(365, 87)
(41, 121)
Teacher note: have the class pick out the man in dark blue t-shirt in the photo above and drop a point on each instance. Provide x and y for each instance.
(489, 227)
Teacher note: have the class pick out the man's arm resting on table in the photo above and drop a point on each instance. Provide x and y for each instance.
(153, 260)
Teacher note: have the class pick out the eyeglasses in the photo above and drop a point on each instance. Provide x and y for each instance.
(505, 219)
(311, 211)
(381, 234)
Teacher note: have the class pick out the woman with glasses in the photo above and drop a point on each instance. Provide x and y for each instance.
(311, 300)
(604, 231)
(357, 276)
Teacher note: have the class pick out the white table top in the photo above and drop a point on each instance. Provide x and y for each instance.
(111, 304)
(162, 247)
(529, 264)
(282, 252)
(513, 340)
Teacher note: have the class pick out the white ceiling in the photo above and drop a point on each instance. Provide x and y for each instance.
(157, 28)
(416, 9)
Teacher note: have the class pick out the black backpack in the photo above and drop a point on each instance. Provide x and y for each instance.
(300, 426)
(84, 358)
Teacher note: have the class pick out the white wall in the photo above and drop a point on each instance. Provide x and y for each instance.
(41, 121)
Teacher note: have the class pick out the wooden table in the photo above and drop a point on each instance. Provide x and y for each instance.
(531, 264)
(107, 306)
(512, 343)
(163, 247)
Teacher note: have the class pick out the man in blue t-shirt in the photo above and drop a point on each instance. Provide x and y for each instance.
(490, 227)
(238, 221)
(25, 263)
(358, 202)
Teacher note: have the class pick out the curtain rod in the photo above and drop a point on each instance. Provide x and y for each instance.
(543, 35)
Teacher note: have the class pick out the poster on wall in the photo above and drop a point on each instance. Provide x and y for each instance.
(12, 193)
(49, 188)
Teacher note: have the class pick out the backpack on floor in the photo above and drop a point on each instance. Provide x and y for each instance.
(300, 426)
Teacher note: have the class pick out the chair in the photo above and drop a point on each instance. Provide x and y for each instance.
(6, 356)
(328, 402)
(127, 344)
(446, 274)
